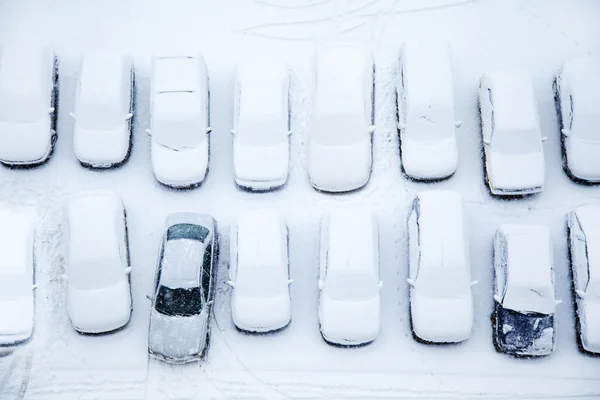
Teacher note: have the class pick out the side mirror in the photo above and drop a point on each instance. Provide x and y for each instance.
(72, 115)
(321, 284)
(208, 130)
(64, 277)
(371, 129)
(128, 116)
(473, 283)
(498, 298)
(34, 287)
(231, 283)
(580, 293)
(487, 141)
(50, 110)
(558, 302)
(149, 297)
(232, 132)
(565, 132)
(289, 133)
(149, 132)
(290, 281)
(458, 124)
(401, 125)
(380, 284)
(210, 303)
(410, 282)
(544, 138)
(127, 270)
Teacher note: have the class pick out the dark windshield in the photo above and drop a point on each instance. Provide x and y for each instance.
(179, 302)
(187, 231)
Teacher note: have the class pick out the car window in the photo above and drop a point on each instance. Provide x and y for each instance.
(206, 271)
(413, 244)
(179, 302)
(582, 264)
(161, 256)
(187, 231)
(570, 121)
(351, 286)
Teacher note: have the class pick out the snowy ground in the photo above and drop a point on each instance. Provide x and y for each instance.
(296, 363)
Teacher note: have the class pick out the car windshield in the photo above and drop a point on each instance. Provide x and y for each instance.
(180, 302)
(351, 286)
(15, 286)
(100, 115)
(187, 231)
(261, 131)
(442, 281)
(430, 123)
(260, 281)
(332, 130)
(95, 274)
(529, 299)
(516, 141)
(22, 109)
(586, 126)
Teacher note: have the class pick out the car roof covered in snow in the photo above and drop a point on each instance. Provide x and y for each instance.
(16, 241)
(343, 71)
(514, 101)
(442, 229)
(263, 85)
(351, 234)
(179, 74)
(428, 79)
(588, 217)
(93, 221)
(260, 241)
(582, 75)
(529, 267)
(182, 262)
(103, 76)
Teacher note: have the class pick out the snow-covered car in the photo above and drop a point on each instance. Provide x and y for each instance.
(184, 289)
(261, 128)
(584, 237)
(441, 300)
(340, 138)
(179, 120)
(28, 101)
(103, 110)
(259, 273)
(349, 283)
(17, 276)
(426, 119)
(97, 263)
(512, 139)
(524, 300)
(577, 91)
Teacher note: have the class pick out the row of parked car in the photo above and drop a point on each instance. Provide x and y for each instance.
(339, 156)
(98, 267)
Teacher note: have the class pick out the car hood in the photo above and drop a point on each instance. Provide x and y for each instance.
(261, 314)
(260, 163)
(180, 167)
(16, 317)
(99, 310)
(29, 142)
(340, 168)
(516, 171)
(441, 320)
(349, 322)
(101, 146)
(177, 339)
(417, 156)
(582, 158)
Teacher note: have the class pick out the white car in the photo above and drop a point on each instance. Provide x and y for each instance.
(349, 283)
(577, 91)
(17, 264)
(584, 237)
(259, 273)
(97, 262)
(426, 119)
(28, 96)
(340, 137)
(441, 300)
(103, 110)
(524, 301)
(512, 139)
(179, 104)
(261, 130)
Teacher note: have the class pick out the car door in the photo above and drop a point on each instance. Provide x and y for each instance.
(414, 250)
(579, 260)
(486, 107)
(500, 267)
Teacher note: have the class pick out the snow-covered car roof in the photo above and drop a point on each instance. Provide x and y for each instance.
(93, 220)
(350, 235)
(582, 75)
(103, 76)
(340, 78)
(16, 241)
(428, 80)
(179, 74)
(263, 85)
(261, 244)
(441, 226)
(25, 80)
(530, 280)
(513, 98)
(588, 217)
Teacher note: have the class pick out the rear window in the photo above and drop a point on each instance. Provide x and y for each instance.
(187, 231)
(180, 302)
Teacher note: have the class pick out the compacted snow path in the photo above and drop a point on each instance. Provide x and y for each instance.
(295, 362)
